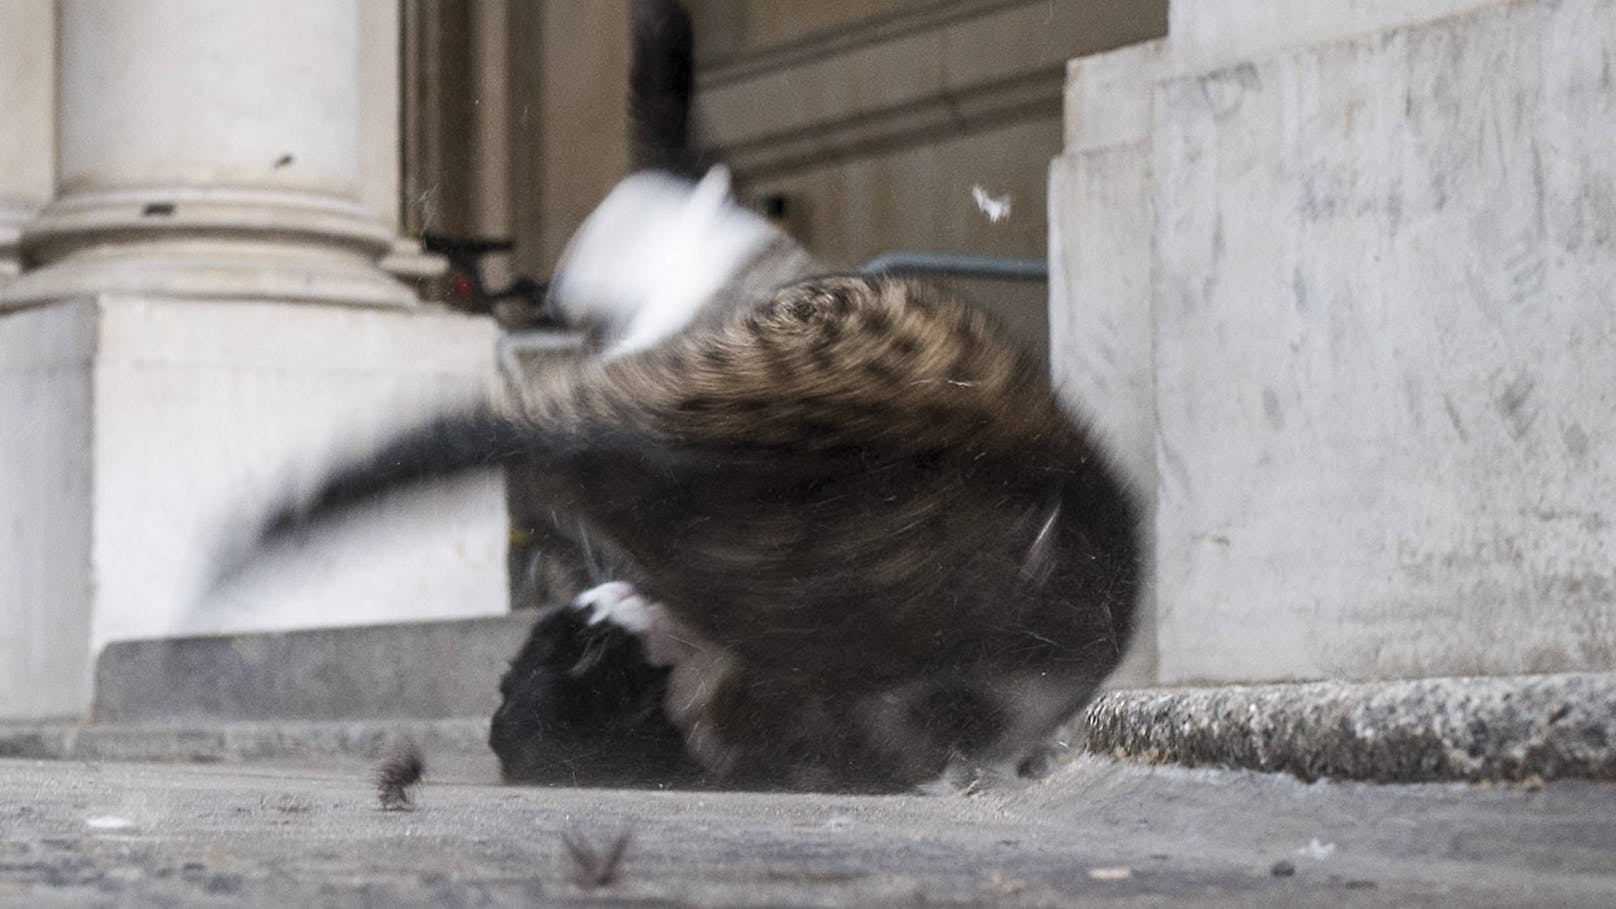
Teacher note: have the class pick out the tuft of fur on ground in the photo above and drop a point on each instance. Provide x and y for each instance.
(593, 867)
(397, 775)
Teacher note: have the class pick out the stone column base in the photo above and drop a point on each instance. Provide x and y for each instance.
(13, 215)
(207, 244)
(142, 432)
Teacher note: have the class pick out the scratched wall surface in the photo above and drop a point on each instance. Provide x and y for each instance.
(1382, 286)
(1386, 353)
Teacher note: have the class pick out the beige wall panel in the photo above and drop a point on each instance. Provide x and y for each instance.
(736, 28)
(583, 147)
(921, 198)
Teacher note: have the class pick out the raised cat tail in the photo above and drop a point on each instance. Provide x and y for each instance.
(445, 446)
(661, 81)
(448, 445)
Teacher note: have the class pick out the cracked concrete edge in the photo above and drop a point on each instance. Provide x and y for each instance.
(209, 742)
(1443, 729)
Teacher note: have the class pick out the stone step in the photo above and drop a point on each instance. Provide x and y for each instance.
(465, 739)
(353, 691)
(419, 670)
(1477, 729)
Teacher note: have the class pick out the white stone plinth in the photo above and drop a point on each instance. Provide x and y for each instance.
(141, 433)
(1376, 252)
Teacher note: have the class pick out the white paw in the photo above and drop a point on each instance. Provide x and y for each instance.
(619, 603)
(655, 252)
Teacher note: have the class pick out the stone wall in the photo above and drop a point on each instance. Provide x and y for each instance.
(877, 128)
(1339, 280)
(144, 436)
(27, 99)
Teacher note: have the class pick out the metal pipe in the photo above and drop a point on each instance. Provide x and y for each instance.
(963, 265)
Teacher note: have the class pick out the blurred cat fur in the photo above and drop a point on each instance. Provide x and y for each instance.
(857, 544)
(863, 539)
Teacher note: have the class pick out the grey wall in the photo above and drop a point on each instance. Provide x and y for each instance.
(1345, 293)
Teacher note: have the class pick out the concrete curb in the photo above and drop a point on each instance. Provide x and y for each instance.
(1453, 729)
(1470, 729)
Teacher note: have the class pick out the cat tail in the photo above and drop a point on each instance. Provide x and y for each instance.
(661, 83)
(447, 446)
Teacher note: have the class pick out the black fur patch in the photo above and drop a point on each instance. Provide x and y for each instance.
(581, 706)
(399, 773)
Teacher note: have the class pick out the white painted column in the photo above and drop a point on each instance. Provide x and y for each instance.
(380, 128)
(27, 119)
(381, 102)
(205, 324)
(212, 152)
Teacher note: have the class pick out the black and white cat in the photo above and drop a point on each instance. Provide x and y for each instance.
(862, 544)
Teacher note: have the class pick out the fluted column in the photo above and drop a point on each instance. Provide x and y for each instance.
(27, 89)
(209, 151)
(380, 128)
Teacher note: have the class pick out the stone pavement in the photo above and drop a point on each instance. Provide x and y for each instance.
(1095, 833)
